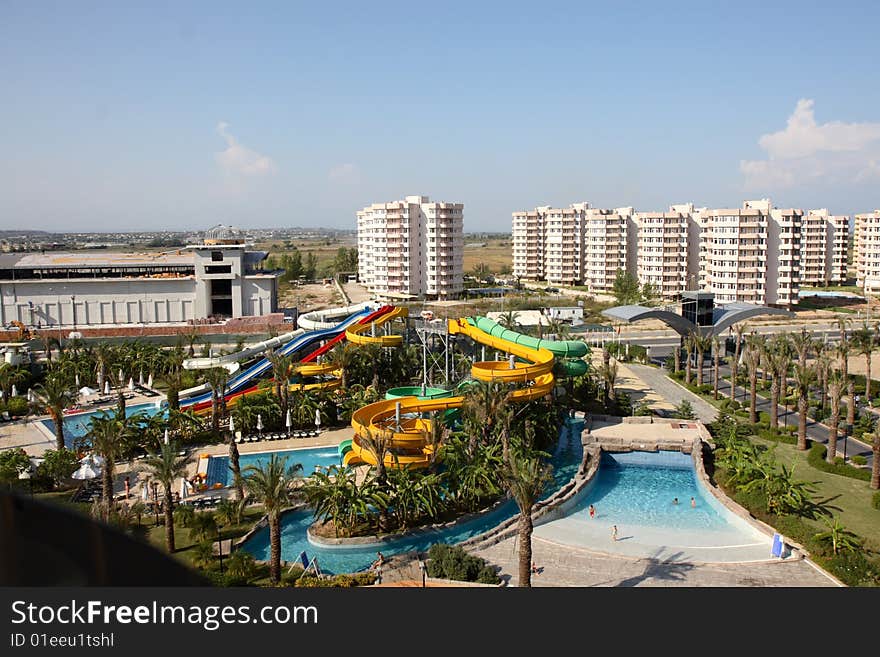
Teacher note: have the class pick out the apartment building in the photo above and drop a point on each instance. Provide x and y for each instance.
(824, 245)
(866, 251)
(664, 258)
(573, 245)
(412, 247)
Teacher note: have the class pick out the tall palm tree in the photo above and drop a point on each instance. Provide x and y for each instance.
(378, 443)
(108, 434)
(689, 352)
(778, 357)
(165, 466)
(103, 355)
(738, 330)
(802, 343)
(481, 410)
(281, 366)
(844, 348)
(835, 391)
(863, 343)
(525, 477)
(608, 374)
(752, 360)
(716, 356)
(823, 366)
(171, 366)
(270, 485)
(216, 378)
(55, 395)
(702, 344)
(804, 377)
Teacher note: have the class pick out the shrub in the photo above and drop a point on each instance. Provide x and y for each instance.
(684, 410)
(875, 500)
(17, 406)
(858, 459)
(453, 562)
(343, 581)
(777, 435)
(764, 418)
(852, 568)
(816, 458)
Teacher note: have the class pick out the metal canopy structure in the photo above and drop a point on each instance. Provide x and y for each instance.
(722, 317)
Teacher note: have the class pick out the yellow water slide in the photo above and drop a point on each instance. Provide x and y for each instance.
(362, 334)
(402, 417)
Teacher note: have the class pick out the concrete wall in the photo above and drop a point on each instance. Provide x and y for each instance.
(98, 301)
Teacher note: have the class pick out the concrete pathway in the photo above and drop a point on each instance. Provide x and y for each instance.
(652, 384)
(568, 566)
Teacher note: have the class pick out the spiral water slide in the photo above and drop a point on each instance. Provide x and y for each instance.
(244, 380)
(533, 363)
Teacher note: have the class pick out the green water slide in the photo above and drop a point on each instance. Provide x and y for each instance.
(417, 391)
(565, 350)
(344, 447)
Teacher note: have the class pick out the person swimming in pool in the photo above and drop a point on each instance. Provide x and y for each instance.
(592, 511)
(675, 501)
(693, 503)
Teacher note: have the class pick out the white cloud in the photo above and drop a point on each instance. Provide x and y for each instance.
(345, 173)
(807, 152)
(239, 160)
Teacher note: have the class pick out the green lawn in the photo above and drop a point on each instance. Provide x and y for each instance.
(852, 496)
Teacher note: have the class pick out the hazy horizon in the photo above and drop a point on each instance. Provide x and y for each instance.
(164, 117)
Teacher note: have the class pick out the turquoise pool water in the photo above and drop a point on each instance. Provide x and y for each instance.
(638, 488)
(218, 466)
(77, 426)
(350, 559)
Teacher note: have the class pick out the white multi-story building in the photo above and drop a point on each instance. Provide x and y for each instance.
(412, 247)
(866, 251)
(823, 247)
(572, 245)
(667, 256)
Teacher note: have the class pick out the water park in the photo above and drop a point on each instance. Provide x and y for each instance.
(365, 431)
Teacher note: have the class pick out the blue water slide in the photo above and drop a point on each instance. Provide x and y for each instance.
(245, 378)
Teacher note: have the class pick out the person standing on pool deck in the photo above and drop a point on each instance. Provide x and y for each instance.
(614, 533)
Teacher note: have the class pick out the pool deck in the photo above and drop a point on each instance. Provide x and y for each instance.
(564, 565)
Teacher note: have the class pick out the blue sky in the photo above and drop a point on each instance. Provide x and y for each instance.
(180, 115)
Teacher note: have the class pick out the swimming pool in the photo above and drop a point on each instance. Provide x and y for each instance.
(77, 426)
(343, 559)
(309, 458)
(636, 492)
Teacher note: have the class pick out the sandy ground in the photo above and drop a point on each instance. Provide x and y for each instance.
(313, 296)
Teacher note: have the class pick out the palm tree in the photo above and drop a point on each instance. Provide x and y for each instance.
(216, 378)
(804, 377)
(481, 410)
(823, 366)
(281, 366)
(608, 374)
(875, 465)
(270, 485)
(10, 375)
(689, 352)
(863, 342)
(843, 351)
(752, 360)
(378, 443)
(508, 319)
(55, 395)
(716, 355)
(172, 373)
(802, 343)
(702, 343)
(738, 330)
(840, 538)
(165, 466)
(525, 477)
(778, 357)
(835, 391)
(108, 434)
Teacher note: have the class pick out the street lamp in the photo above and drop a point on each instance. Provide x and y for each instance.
(423, 567)
(847, 433)
(73, 309)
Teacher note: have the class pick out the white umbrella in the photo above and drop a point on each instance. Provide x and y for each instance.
(150, 380)
(86, 391)
(166, 436)
(183, 488)
(141, 377)
(145, 492)
(121, 376)
(131, 384)
(259, 422)
(318, 418)
(94, 460)
(30, 395)
(14, 391)
(85, 471)
(287, 421)
(76, 380)
(231, 424)
(107, 387)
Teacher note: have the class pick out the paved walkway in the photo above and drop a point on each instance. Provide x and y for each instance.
(659, 391)
(568, 566)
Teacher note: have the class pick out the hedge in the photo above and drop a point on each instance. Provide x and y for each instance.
(816, 458)
(875, 500)
(778, 436)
